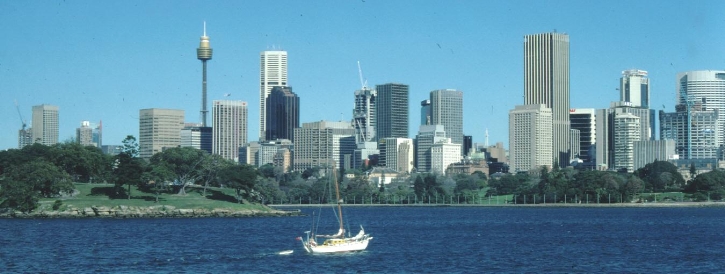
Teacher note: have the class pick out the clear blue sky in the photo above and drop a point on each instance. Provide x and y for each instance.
(105, 60)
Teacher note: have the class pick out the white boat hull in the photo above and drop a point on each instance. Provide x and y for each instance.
(348, 245)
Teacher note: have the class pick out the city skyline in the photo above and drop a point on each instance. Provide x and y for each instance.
(130, 56)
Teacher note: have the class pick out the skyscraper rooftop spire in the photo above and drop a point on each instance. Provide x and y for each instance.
(204, 29)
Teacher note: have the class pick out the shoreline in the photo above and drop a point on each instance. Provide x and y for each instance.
(289, 210)
(150, 212)
(632, 205)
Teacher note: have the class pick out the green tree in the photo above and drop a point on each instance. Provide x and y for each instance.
(651, 174)
(128, 168)
(21, 185)
(18, 195)
(240, 178)
(210, 168)
(710, 183)
(156, 179)
(184, 162)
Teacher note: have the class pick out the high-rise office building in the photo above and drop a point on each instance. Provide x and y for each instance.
(364, 114)
(283, 114)
(45, 124)
(697, 139)
(159, 129)
(634, 88)
(446, 108)
(391, 113)
(530, 138)
(583, 119)
(196, 136)
(546, 81)
(706, 87)
(323, 143)
(229, 128)
(425, 112)
(605, 131)
(273, 73)
(203, 53)
(428, 135)
(89, 134)
(397, 154)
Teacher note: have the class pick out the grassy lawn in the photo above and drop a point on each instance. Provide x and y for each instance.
(94, 195)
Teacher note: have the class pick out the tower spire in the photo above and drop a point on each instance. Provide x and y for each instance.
(204, 28)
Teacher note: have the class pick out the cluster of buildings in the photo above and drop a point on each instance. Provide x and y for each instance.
(545, 130)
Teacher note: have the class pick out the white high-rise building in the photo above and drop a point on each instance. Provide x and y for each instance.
(273, 73)
(159, 129)
(229, 128)
(530, 138)
(706, 87)
(626, 132)
(443, 154)
(546, 81)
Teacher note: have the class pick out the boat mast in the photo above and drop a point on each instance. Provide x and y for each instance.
(337, 195)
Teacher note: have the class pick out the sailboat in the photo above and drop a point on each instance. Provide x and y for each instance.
(338, 242)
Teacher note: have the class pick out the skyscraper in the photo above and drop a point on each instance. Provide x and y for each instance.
(634, 88)
(424, 112)
(45, 124)
(606, 131)
(391, 111)
(546, 81)
(323, 143)
(283, 114)
(583, 119)
(428, 135)
(364, 114)
(397, 154)
(706, 87)
(159, 129)
(446, 108)
(530, 137)
(626, 132)
(273, 72)
(90, 134)
(229, 127)
(196, 136)
(694, 133)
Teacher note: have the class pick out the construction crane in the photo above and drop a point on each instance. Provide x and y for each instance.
(364, 84)
(20, 114)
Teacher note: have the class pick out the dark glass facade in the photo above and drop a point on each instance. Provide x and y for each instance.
(283, 114)
(392, 111)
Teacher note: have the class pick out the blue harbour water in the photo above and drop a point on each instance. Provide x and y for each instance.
(407, 240)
